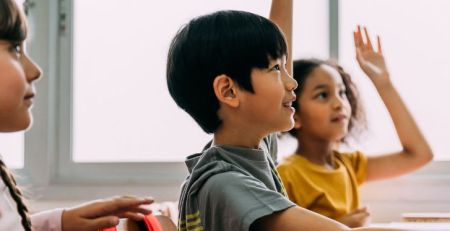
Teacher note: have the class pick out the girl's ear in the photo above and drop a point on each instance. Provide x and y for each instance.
(297, 122)
(226, 92)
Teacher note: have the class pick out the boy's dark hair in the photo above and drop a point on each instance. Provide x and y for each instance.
(225, 42)
(13, 24)
(304, 67)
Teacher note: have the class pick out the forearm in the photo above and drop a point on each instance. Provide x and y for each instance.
(297, 218)
(411, 138)
(377, 229)
(416, 151)
(281, 13)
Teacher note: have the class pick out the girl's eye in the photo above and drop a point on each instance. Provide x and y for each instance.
(322, 95)
(343, 93)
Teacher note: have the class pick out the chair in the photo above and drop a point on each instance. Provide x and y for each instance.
(150, 223)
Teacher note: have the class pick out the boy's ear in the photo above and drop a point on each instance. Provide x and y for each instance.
(225, 89)
(297, 122)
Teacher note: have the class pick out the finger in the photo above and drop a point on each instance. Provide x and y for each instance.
(354, 212)
(126, 202)
(361, 215)
(360, 38)
(132, 216)
(133, 197)
(362, 209)
(368, 42)
(359, 210)
(116, 205)
(358, 56)
(101, 223)
(355, 38)
(141, 211)
(380, 51)
(365, 214)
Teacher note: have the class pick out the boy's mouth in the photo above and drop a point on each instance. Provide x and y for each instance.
(288, 102)
(288, 105)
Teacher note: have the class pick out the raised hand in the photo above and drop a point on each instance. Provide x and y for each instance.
(357, 218)
(371, 62)
(104, 213)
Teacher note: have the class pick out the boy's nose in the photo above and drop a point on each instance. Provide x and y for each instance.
(32, 70)
(291, 83)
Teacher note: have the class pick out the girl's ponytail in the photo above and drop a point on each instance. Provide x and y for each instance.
(16, 194)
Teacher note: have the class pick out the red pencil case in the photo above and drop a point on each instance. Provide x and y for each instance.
(150, 223)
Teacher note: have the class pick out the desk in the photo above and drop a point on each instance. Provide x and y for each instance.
(423, 226)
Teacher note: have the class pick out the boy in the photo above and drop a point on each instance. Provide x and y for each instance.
(229, 71)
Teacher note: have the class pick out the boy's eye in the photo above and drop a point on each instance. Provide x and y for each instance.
(16, 48)
(276, 68)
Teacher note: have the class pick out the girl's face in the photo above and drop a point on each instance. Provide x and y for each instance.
(324, 110)
(17, 74)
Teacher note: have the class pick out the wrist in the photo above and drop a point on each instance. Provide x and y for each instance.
(382, 81)
(65, 219)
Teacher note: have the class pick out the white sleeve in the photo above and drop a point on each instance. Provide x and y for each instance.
(49, 220)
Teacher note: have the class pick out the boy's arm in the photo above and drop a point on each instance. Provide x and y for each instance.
(416, 151)
(296, 218)
(282, 15)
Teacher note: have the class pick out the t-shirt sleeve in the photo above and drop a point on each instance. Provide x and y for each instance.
(359, 163)
(234, 201)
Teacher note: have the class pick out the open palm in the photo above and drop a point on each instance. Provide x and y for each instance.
(371, 62)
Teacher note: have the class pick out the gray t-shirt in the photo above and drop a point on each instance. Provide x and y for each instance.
(230, 187)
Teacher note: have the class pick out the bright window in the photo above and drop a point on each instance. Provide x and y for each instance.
(122, 111)
(11, 149)
(415, 39)
(92, 106)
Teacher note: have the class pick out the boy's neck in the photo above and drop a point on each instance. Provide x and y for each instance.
(240, 136)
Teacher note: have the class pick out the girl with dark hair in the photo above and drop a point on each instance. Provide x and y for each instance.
(318, 176)
(17, 75)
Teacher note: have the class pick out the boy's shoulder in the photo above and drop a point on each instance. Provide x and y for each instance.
(220, 164)
(239, 195)
(227, 183)
(233, 179)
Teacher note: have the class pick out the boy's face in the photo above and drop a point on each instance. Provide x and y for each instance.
(17, 72)
(269, 108)
(324, 110)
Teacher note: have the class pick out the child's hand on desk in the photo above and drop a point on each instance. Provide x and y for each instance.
(104, 213)
(357, 218)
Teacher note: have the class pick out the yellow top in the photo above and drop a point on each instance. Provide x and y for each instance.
(332, 193)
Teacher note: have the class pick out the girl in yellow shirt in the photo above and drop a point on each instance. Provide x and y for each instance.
(317, 176)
